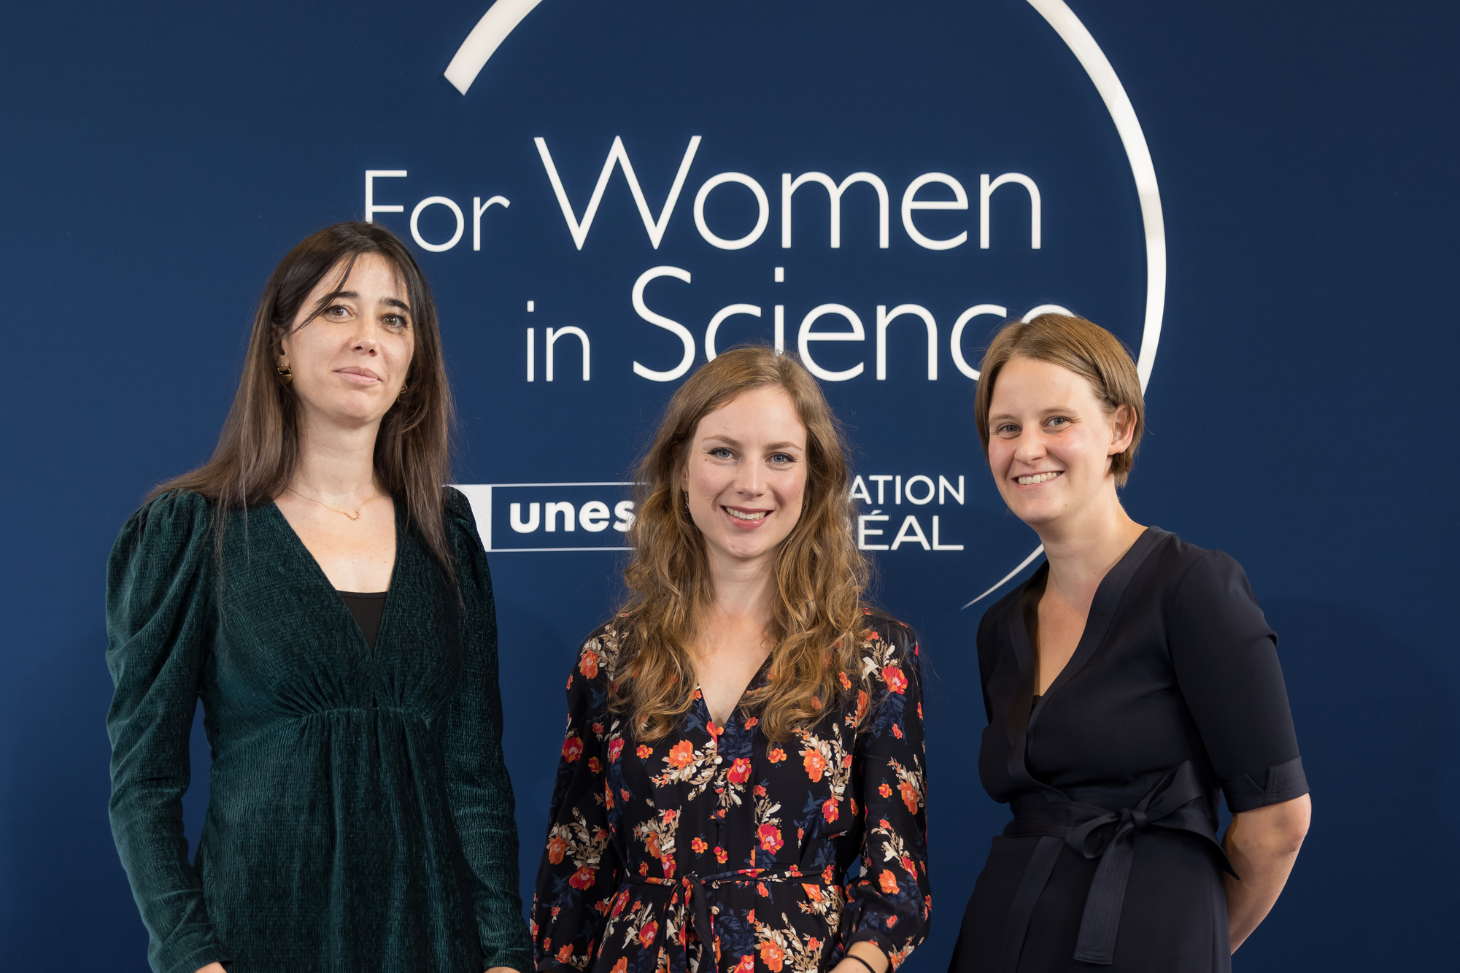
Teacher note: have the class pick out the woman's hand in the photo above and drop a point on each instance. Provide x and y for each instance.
(1262, 845)
(213, 968)
(864, 950)
(494, 969)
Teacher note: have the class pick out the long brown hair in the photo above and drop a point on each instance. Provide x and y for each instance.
(1084, 348)
(817, 618)
(258, 450)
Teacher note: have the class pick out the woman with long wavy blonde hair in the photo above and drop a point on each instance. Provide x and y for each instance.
(745, 728)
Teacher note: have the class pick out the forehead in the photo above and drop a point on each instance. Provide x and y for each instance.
(1026, 383)
(756, 415)
(372, 273)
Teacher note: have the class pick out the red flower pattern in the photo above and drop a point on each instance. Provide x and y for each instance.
(612, 822)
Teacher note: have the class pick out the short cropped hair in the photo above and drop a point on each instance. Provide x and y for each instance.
(1084, 348)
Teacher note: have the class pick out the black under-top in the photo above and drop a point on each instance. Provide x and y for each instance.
(367, 607)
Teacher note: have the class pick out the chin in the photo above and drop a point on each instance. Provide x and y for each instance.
(1036, 515)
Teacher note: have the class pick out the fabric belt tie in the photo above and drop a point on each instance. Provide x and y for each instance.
(1096, 832)
(697, 891)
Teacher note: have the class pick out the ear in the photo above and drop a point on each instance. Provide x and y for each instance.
(1122, 430)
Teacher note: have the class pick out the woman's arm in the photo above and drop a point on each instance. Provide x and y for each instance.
(1262, 845)
(891, 900)
(477, 784)
(1225, 659)
(160, 624)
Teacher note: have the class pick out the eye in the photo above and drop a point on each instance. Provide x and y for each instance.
(1006, 429)
(721, 452)
(782, 459)
(337, 311)
(395, 322)
(1058, 422)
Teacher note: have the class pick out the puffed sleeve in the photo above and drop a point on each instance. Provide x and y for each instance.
(890, 902)
(580, 868)
(477, 784)
(1226, 663)
(160, 623)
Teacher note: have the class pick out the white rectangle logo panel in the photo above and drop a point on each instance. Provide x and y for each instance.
(516, 518)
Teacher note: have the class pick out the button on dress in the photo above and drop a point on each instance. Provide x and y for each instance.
(717, 835)
(1173, 698)
(359, 812)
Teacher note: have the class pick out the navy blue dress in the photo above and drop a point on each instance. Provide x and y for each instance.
(1173, 697)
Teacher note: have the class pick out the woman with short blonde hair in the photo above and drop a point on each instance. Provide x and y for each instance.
(1129, 684)
(745, 727)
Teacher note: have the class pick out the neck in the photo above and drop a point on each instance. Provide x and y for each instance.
(1082, 548)
(335, 462)
(743, 591)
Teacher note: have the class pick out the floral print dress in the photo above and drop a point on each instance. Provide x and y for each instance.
(716, 834)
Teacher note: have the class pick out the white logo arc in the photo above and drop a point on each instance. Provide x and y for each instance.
(504, 15)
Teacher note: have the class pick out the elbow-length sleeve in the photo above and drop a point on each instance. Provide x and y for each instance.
(890, 903)
(580, 868)
(1225, 659)
(160, 624)
(478, 786)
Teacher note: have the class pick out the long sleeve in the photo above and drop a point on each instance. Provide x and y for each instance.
(580, 868)
(160, 623)
(1225, 659)
(891, 900)
(478, 786)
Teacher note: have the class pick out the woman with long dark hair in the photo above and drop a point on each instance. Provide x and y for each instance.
(328, 601)
(745, 728)
(1130, 684)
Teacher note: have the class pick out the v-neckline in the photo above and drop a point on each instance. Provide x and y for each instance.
(755, 680)
(323, 578)
(1025, 710)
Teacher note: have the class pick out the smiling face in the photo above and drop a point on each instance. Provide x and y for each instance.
(745, 475)
(1050, 442)
(350, 361)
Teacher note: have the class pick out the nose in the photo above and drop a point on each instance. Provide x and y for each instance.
(751, 481)
(1030, 448)
(364, 339)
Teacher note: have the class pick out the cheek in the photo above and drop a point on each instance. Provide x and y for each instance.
(1000, 453)
(705, 481)
(793, 492)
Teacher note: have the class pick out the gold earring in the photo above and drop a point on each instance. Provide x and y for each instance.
(285, 376)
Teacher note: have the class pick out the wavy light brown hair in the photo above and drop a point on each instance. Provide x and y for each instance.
(818, 616)
(1084, 348)
(258, 451)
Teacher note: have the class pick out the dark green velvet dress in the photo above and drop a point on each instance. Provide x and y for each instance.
(359, 816)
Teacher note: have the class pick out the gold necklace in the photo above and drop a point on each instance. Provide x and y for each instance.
(354, 516)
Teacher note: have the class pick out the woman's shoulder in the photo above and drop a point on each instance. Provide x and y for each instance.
(176, 517)
(887, 641)
(881, 625)
(1185, 569)
(598, 653)
(456, 511)
(170, 534)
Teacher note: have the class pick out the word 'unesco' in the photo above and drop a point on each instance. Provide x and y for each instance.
(914, 199)
(592, 516)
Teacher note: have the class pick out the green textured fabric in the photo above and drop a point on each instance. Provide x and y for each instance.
(360, 817)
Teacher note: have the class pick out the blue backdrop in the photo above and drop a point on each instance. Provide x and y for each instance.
(1291, 247)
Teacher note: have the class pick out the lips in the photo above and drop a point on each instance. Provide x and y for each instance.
(745, 514)
(360, 375)
(745, 519)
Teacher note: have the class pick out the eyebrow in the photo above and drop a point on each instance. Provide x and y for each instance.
(729, 441)
(387, 301)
